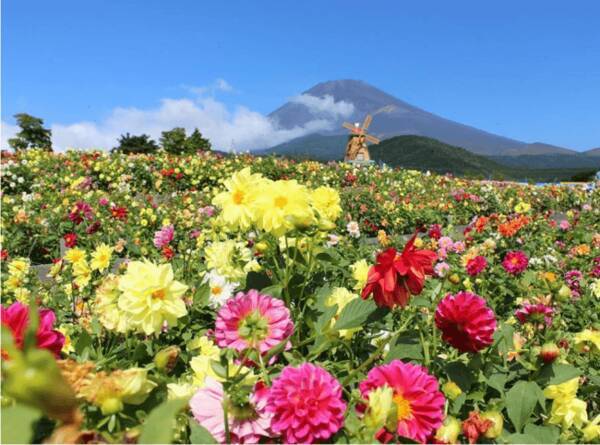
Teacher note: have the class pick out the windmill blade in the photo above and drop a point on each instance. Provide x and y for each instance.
(367, 122)
(348, 126)
(372, 139)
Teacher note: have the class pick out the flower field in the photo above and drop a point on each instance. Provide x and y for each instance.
(210, 299)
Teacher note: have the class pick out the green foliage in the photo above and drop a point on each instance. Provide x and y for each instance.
(135, 144)
(17, 423)
(159, 426)
(32, 134)
(195, 142)
(520, 402)
(175, 141)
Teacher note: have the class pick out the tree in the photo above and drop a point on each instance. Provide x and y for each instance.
(135, 144)
(196, 142)
(32, 134)
(174, 141)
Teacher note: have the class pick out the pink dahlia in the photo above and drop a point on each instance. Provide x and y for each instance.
(515, 262)
(306, 403)
(476, 265)
(16, 318)
(253, 320)
(535, 313)
(248, 421)
(164, 236)
(465, 321)
(419, 402)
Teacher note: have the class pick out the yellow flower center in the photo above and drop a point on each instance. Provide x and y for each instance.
(280, 202)
(238, 196)
(159, 294)
(216, 290)
(403, 407)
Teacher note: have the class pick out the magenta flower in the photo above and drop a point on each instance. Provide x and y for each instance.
(253, 320)
(16, 318)
(164, 236)
(419, 402)
(535, 313)
(249, 422)
(306, 403)
(515, 262)
(466, 322)
(476, 265)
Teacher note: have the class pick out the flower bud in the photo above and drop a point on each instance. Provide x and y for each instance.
(111, 405)
(497, 423)
(454, 278)
(549, 352)
(326, 225)
(166, 358)
(449, 431)
(564, 293)
(451, 390)
(261, 246)
(33, 378)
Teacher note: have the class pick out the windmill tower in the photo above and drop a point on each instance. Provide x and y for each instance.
(356, 149)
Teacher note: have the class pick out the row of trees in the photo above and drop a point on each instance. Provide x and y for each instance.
(32, 134)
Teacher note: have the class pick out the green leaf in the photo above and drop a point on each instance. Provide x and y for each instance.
(406, 346)
(199, 434)
(542, 434)
(257, 280)
(460, 374)
(521, 438)
(557, 373)
(355, 313)
(520, 402)
(322, 324)
(497, 381)
(159, 426)
(17, 423)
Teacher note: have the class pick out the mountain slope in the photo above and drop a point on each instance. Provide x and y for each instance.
(422, 153)
(393, 117)
(595, 152)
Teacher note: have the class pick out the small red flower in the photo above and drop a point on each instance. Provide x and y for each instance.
(168, 253)
(475, 426)
(70, 240)
(119, 213)
(476, 265)
(397, 276)
(3, 254)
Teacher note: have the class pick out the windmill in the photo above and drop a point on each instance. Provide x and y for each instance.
(356, 149)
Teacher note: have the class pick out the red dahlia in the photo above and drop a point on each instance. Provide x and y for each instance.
(465, 321)
(398, 275)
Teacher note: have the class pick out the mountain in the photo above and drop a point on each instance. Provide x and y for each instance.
(423, 153)
(595, 152)
(314, 146)
(394, 117)
(556, 160)
(539, 148)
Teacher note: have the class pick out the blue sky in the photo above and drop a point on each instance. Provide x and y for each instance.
(523, 69)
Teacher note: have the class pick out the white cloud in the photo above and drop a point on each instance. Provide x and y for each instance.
(228, 128)
(8, 131)
(325, 106)
(219, 85)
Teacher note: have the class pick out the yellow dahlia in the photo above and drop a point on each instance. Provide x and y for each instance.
(326, 201)
(237, 201)
(283, 205)
(151, 296)
(101, 257)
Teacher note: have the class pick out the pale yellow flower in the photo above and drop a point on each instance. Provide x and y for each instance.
(101, 257)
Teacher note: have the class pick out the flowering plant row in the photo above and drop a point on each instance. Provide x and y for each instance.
(199, 300)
